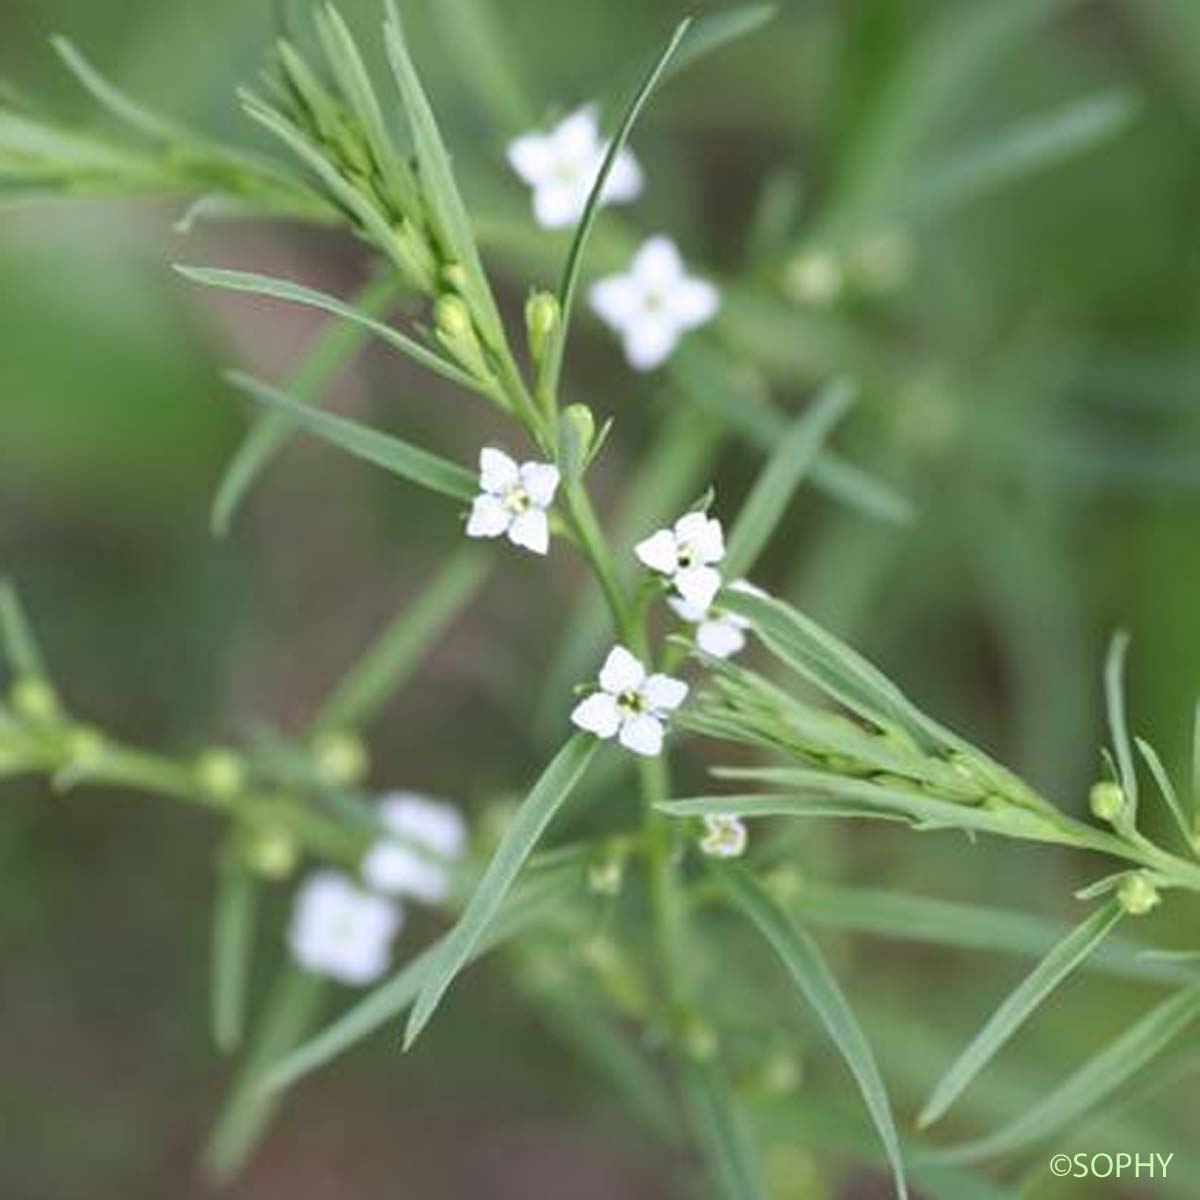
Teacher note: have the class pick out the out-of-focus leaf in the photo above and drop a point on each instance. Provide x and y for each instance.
(1165, 786)
(1099, 1077)
(1018, 1007)
(784, 472)
(16, 635)
(721, 1130)
(390, 661)
(235, 909)
(1114, 697)
(391, 453)
(527, 826)
(714, 31)
(802, 958)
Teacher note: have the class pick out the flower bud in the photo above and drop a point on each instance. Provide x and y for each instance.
(340, 758)
(455, 276)
(542, 316)
(814, 276)
(605, 878)
(1107, 800)
(34, 700)
(456, 331)
(221, 774)
(1137, 895)
(271, 853)
(576, 434)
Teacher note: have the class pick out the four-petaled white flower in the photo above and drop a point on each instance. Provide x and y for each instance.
(562, 167)
(655, 304)
(724, 836)
(430, 836)
(719, 633)
(630, 705)
(513, 500)
(686, 554)
(340, 930)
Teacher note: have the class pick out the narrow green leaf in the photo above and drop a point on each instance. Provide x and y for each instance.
(533, 902)
(270, 432)
(1091, 1083)
(295, 293)
(785, 470)
(721, 1130)
(1018, 1007)
(390, 661)
(802, 958)
(20, 647)
(235, 910)
(1114, 696)
(1165, 786)
(714, 31)
(1033, 145)
(522, 835)
(438, 184)
(247, 1113)
(551, 370)
(401, 458)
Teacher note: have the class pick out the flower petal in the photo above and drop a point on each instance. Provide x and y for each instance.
(489, 518)
(625, 181)
(400, 870)
(540, 481)
(338, 929)
(650, 342)
(703, 534)
(617, 300)
(658, 265)
(497, 472)
(531, 531)
(532, 157)
(694, 301)
(643, 735)
(559, 203)
(576, 139)
(659, 552)
(598, 714)
(429, 822)
(726, 836)
(722, 638)
(622, 672)
(664, 693)
(685, 611)
(698, 586)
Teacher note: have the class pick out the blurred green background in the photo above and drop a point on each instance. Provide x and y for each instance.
(1030, 384)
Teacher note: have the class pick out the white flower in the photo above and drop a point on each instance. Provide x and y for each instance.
(430, 836)
(513, 500)
(630, 705)
(339, 930)
(686, 554)
(655, 304)
(719, 633)
(724, 837)
(562, 167)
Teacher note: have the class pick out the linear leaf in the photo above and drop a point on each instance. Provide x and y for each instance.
(721, 1131)
(551, 370)
(542, 897)
(1114, 696)
(1165, 786)
(714, 31)
(1018, 1007)
(1090, 1084)
(401, 458)
(784, 472)
(802, 958)
(234, 911)
(527, 826)
(388, 663)
(296, 293)
(20, 646)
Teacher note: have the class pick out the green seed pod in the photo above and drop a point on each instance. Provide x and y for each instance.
(1107, 800)
(1137, 895)
(542, 316)
(34, 700)
(340, 758)
(221, 774)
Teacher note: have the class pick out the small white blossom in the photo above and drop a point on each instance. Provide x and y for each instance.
(686, 554)
(513, 501)
(630, 705)
(724, 837)
(431, 835)
(655, 304)
(342, 931)
(562, 167)
(719, 633)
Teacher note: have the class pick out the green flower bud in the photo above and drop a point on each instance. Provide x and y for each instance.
(340, 758)
(814, 276)
(542, 316)
(453, 317)
(221, 774)
(1138, 895)
(1107, 800)
(272, 853)
(34, 700)
(576, 433)
(605, 878)
(455, 276)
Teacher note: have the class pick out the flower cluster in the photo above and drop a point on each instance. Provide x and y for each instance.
(343, 930)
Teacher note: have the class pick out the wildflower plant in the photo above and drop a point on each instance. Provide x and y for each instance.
(813, 732)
